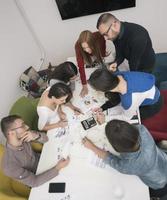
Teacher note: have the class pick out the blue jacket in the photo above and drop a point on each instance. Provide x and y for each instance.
(138, 82)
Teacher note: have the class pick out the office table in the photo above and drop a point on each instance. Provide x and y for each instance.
(86, 177)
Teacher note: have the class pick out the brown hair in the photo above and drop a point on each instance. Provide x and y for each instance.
(89, 38)
(7, 122)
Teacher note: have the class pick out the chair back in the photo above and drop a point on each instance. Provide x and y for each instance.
(27, 109)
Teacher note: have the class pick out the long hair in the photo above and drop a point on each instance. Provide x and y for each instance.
(59, 90)
(63, 72)
(93, 43)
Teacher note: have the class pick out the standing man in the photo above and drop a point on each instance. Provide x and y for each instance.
(20, 161)
(131, 41)
(139, 154)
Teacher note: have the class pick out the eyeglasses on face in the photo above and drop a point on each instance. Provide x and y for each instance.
(22, 126)
(106, 33)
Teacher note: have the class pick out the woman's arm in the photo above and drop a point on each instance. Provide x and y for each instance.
(61, 114)
(76, 110)
(43, 123)
(80, 63)
(59, 124)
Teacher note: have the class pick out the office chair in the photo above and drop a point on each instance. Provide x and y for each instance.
(157, 124)
(26, 108)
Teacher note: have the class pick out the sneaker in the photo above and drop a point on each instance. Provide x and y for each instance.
(163, 145)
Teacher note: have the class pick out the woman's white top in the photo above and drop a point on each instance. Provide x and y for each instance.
(46, 115)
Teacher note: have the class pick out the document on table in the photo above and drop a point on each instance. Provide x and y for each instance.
(93, 159)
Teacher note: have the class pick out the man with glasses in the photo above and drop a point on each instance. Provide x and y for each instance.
(20, 161)
(131, 41)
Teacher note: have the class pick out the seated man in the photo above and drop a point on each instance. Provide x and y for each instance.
(20, 161)
(139, 154)
(135, 89)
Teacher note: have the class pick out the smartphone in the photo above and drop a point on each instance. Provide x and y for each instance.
(57, 187)
(88, 123)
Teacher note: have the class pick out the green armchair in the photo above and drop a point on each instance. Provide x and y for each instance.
(27, 109)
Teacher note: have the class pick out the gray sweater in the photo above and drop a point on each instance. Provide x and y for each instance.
(20, 163)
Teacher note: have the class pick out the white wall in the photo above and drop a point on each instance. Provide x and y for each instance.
(18, 49)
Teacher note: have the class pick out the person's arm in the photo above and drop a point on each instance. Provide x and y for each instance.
(108, 158)
(59, 124)
(100, 152)
(43, 120)
(76, 110)
(61, 114)
(127, 113)
(119, 58)
(27, 177)
(80, 63)
(37, 136)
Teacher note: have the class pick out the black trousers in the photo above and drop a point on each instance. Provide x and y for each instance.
(158, 193)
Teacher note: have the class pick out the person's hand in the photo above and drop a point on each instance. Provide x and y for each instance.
(77, 111)
(63, 123)
(100, 117)
(62, 116)
(29, 136)
(112, 67)
(96, 110)
(62, 163)
(84, 91)
(87, 143)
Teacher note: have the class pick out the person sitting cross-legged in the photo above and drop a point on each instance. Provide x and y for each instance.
(19, 160)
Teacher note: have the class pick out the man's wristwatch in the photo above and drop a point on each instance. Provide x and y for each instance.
(39, 135)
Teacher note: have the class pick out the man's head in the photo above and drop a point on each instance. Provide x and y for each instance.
(123, 136)
(13, 127)
(108, 26)
(103, 80)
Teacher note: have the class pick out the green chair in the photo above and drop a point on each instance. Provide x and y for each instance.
(9, 188)
(27, 109)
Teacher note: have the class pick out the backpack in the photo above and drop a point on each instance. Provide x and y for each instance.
(32, 82)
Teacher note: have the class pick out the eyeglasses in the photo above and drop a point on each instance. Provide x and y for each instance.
(22, 126)
(106, 33)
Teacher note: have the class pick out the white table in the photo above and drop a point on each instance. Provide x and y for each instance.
(86, 176)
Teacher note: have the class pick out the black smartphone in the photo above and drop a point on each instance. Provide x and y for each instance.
(88, 123)
(57, 187)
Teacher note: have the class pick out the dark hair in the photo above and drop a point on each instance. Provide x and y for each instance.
(103, 80)
(93, 43)
(7, 122)
(59, 90)
(122, 135)
(105, 18)
(63, 72)
(114, 97)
